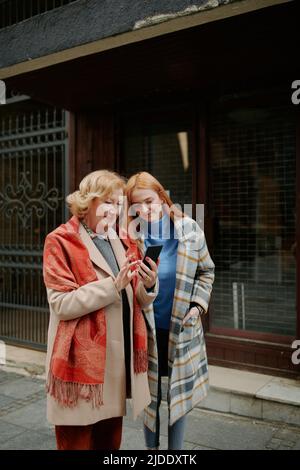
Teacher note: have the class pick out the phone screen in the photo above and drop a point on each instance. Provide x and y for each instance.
(152, 252)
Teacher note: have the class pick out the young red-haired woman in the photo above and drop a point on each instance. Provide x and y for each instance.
(176, 344)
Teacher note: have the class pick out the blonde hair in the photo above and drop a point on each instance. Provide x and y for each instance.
(100, 183)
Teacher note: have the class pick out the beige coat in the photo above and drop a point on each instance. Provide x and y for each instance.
(86, 299)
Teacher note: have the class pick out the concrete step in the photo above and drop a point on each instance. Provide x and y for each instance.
(24, 361)
(252, 395)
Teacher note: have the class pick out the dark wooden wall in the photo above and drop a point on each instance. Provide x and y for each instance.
(91, 144)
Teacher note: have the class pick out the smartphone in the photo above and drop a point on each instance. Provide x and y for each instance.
(153, 252)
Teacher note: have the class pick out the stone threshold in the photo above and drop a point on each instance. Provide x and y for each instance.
(253, 395)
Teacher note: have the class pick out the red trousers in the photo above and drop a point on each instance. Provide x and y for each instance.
(103, 435)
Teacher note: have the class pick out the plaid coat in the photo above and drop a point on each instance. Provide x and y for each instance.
(187, 361)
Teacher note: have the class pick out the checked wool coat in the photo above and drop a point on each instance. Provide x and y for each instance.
(187, 359)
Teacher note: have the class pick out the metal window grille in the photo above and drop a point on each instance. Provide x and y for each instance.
(165, 151)
(253, 191)
(33, 148)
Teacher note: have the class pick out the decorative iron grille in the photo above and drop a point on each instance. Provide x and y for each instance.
(14, 11)
(33, 183)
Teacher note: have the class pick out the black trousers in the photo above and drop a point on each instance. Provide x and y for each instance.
(162, 338)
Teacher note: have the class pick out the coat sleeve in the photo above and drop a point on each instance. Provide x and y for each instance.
(84, 299)
(144, 297)
(204, 278)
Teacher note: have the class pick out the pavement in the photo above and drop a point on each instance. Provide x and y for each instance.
(23, 424)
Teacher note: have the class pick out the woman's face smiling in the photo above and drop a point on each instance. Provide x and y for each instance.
(147, 204)
(104, 213)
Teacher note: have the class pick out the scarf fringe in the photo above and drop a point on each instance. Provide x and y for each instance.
(68, 393)
(140, 361)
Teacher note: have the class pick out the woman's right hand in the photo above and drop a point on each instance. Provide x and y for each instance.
(127, 272)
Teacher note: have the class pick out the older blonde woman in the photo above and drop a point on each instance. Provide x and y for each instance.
(97, 340)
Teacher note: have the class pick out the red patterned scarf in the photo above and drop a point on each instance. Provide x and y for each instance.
(77, 363)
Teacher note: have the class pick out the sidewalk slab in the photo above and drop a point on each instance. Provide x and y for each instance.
(23, 425)
(239, 392)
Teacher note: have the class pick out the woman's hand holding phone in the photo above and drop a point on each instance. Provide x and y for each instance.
(146, 275)
(132, 268)
(148, 268)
